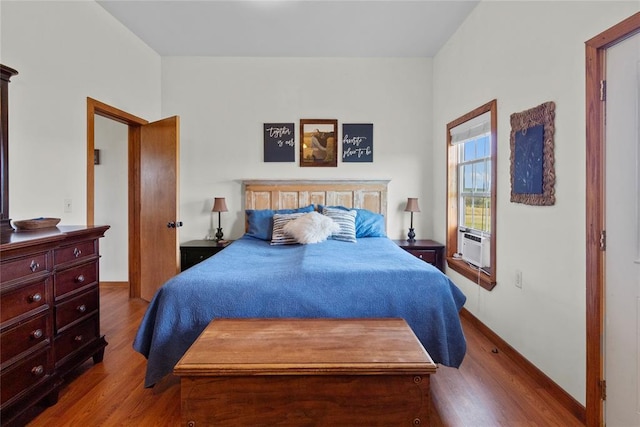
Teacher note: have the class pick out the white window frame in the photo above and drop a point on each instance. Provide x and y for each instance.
(462, 194)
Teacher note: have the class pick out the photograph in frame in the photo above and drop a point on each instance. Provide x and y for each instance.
(318, 142)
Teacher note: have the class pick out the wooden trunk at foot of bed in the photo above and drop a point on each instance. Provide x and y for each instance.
(320, 372)
(297, 400)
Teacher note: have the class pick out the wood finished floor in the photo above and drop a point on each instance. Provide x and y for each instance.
(488, 390)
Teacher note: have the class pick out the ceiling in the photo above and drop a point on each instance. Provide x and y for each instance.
(292, 28)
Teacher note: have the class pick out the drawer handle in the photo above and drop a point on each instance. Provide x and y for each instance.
(34, 266)
(37, 370)
(82, 308)
(37, 334)
(37, 297)
(78, 338)
(77, 252)
(80, 278)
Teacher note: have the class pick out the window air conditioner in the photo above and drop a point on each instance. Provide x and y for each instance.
(475, 249)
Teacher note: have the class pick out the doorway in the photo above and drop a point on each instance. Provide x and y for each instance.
(596, 205)
(111, 199)
(622, 264)
(152, 200)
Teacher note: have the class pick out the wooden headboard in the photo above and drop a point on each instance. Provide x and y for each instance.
(291, 194)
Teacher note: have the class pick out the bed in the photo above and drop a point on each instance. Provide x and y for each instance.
(253, 278)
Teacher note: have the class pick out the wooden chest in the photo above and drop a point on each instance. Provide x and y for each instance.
(49, 313)
(268, 372)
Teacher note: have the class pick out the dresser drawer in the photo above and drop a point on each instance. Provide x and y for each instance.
(25, 375)
(75, 252)
(424, 254)
(23, 300)
(76, 337)
(23, 267)
(76, 308)
(75, 278)
(28, 335)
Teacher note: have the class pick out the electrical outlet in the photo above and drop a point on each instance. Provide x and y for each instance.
(67, 205)
(519, 279)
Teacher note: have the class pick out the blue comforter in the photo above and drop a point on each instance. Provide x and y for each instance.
(250, 278)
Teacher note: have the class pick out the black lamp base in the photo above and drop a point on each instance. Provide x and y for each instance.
(411, 236)
(219, 235)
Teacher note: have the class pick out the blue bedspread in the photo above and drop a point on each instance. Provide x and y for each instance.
(250, 278)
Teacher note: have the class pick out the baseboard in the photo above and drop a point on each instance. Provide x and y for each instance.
(564, 398)
(114, 284)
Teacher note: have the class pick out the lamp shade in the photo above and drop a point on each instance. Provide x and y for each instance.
(219, 205)
(412, 205)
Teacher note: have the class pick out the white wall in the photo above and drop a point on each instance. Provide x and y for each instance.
(524, 54)
(111, 200)
(66, 52)
(223, 103)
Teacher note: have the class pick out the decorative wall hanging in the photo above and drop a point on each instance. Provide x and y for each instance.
(318, 142)
(357, 142)
(279, 142)
(533, 175)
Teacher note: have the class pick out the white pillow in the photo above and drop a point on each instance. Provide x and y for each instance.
(311, 228)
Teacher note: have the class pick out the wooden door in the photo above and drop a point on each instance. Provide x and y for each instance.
(159, 208)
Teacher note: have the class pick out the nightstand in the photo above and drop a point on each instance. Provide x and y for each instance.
(427, 250)
(195, 251)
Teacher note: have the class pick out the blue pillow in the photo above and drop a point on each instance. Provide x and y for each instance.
(368, 224)
(261, 220)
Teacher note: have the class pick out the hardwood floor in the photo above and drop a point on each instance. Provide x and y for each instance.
(488, 390)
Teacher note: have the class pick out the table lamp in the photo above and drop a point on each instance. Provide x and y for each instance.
(219, 205)
(412, 206)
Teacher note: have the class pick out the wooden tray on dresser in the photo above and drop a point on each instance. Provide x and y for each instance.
(36, 223)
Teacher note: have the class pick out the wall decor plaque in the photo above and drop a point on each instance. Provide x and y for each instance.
(279, 142)
(533, 174)
(357, 142)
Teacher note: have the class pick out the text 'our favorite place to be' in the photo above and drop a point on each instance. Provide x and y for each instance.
(351, 146)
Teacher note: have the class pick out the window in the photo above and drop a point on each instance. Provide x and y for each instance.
(471, 195)
(474, 168)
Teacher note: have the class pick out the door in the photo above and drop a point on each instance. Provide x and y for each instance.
(622, 262)
(159, 213)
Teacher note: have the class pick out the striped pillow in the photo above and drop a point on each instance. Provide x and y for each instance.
(279, 236)
(312, 227)
(347, 222)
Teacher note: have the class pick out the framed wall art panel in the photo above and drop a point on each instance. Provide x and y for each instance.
(533, 174)
(357, 142)
(318, 142)
(279, 142)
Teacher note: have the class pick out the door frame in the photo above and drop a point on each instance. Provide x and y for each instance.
(95, 107)
(596, 50)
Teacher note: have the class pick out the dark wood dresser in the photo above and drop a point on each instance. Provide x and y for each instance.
(49, 312)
